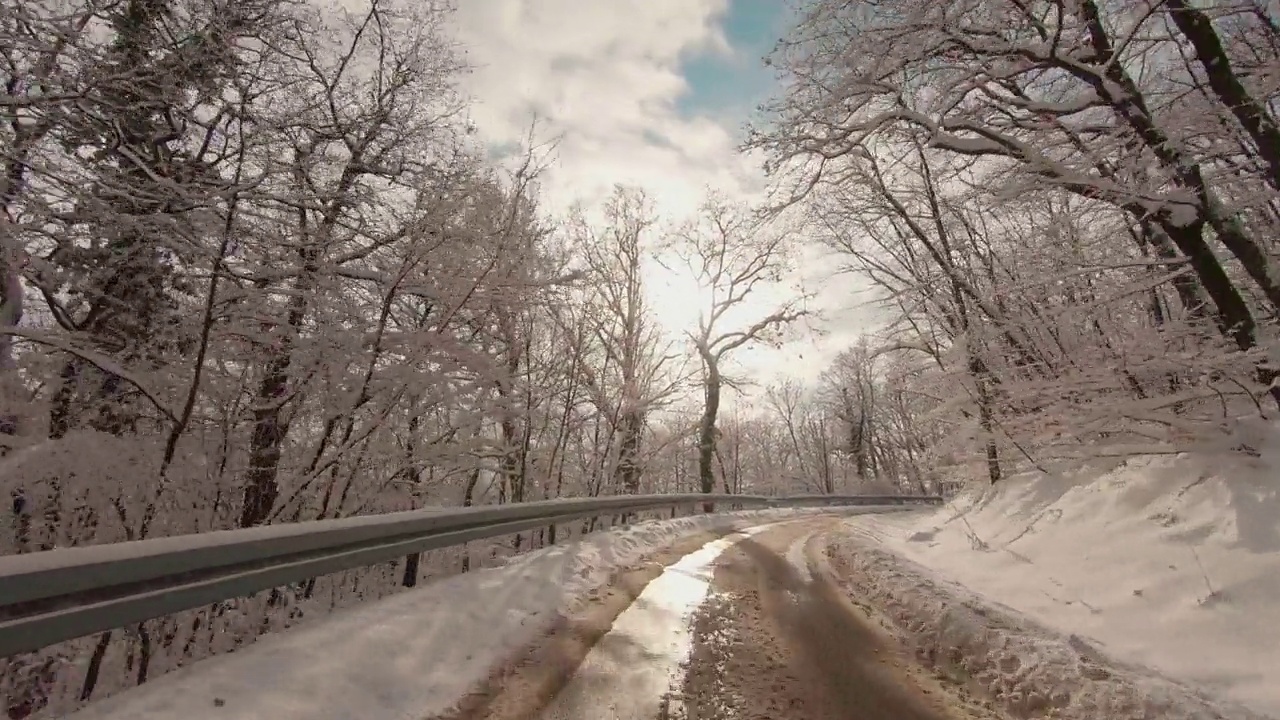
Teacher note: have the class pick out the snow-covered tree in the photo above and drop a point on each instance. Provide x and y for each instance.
(1068, 208)
(733, 257)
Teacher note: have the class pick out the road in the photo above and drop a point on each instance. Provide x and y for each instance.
(776, 641)
(739, 630)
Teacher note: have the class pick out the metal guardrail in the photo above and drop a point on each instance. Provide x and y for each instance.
(48, 597)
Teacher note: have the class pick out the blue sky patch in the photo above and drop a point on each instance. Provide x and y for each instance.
(729, 87)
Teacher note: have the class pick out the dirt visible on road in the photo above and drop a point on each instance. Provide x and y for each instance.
(775, 643)
(519, 688)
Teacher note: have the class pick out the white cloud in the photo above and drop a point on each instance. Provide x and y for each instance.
(604, 77)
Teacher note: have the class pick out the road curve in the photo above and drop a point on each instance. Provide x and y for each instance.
(770, 641)
(773, 641)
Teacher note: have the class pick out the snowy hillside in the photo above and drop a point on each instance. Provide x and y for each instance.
(1169, 562)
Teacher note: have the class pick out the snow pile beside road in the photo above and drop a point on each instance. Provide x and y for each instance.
(1028, 669)
(1168, 563)
(411, 655)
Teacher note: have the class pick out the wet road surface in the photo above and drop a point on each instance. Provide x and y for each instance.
(774, 642)
(769, 640)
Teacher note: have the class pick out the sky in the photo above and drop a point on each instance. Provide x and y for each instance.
(651, 93)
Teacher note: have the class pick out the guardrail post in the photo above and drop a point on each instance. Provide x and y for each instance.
(411, 570)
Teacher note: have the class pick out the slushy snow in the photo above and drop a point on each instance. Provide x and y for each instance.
(637, 666)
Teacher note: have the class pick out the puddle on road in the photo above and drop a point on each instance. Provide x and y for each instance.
(631, 671)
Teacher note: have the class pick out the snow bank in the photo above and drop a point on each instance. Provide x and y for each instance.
(1168, 563)
(1028, 669)
(411, 655)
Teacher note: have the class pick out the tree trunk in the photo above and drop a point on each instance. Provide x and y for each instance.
(1255, 119)
(10, 315)
(628, 453)
(707, 429)
(144, 652)
(468, 499)
(986, 415)
(1233, 315)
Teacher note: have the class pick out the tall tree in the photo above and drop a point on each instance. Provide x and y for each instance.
(643, 376)
(734, 257)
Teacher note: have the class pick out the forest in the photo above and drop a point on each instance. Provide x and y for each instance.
(258, 267)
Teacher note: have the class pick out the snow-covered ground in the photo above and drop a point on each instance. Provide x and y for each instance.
(412, 655)
(1171, 563)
